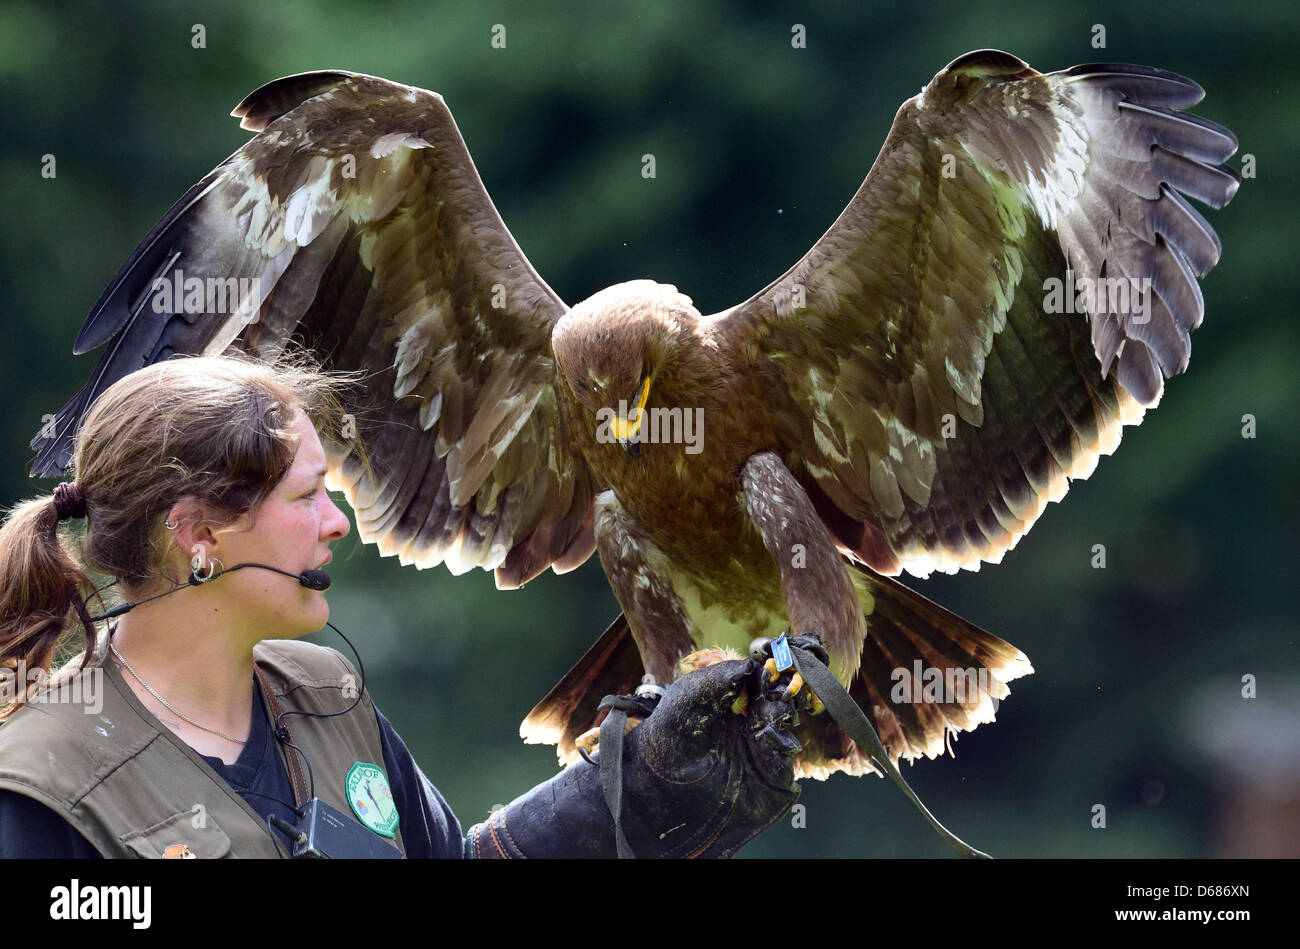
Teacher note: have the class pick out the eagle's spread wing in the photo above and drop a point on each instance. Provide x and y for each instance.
(356, 221)
(925, 381)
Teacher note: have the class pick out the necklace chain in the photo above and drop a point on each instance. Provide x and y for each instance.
(167, 705)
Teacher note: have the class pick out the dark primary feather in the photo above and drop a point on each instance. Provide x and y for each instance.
(125, 318)
(267, 103)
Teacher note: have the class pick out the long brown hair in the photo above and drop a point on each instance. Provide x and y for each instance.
(212, 428)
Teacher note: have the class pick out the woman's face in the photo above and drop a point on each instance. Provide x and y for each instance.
(293, 530)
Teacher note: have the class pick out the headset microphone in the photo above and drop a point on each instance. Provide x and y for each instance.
(311, 579)
(315, 579)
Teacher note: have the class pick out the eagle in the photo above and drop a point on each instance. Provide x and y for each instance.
(1009, 288)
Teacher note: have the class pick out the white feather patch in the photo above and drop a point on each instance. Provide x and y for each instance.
(311, 206)
(385, 145)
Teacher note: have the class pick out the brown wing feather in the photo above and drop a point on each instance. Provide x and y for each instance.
(919, 371)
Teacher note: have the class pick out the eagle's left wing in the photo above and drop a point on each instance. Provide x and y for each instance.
(1006, 290)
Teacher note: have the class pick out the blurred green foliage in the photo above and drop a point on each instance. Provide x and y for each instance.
(758, 147)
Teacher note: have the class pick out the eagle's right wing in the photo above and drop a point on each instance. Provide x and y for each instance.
(356, 223)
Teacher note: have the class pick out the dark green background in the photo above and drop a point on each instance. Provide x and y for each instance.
(1136, 701)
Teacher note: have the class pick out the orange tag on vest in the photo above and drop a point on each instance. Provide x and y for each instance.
(178, 852)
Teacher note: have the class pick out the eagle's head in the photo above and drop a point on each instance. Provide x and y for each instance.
(615, 346)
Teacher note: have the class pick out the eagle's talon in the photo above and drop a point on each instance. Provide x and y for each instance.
(643, 703)
(807, 699)
(588, 741)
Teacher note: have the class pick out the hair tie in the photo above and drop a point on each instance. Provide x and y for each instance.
(68, 501)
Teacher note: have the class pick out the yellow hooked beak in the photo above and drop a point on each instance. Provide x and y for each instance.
(626, 431)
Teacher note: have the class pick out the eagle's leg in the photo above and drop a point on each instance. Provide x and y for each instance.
(640, 576)
(819, 596)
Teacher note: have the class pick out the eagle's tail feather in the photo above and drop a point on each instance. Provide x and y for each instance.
(962, 674)
(611, 667)
(925, 674)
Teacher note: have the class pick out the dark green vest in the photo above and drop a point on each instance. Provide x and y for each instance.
(134, 789)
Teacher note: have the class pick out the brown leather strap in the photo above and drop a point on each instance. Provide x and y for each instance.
(297, 777)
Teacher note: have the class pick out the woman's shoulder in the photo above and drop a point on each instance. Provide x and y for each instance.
(304, 663)
(58, 707)
(40, 722)
(300, 651)
(86, 733)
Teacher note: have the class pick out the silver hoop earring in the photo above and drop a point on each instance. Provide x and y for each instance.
(212, 572)
(170, 526)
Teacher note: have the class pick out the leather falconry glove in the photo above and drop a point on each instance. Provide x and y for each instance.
(699, 779)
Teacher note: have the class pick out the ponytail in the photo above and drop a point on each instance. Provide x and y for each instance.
(43, 589)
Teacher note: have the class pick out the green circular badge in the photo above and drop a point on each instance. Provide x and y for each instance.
(371, 798)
